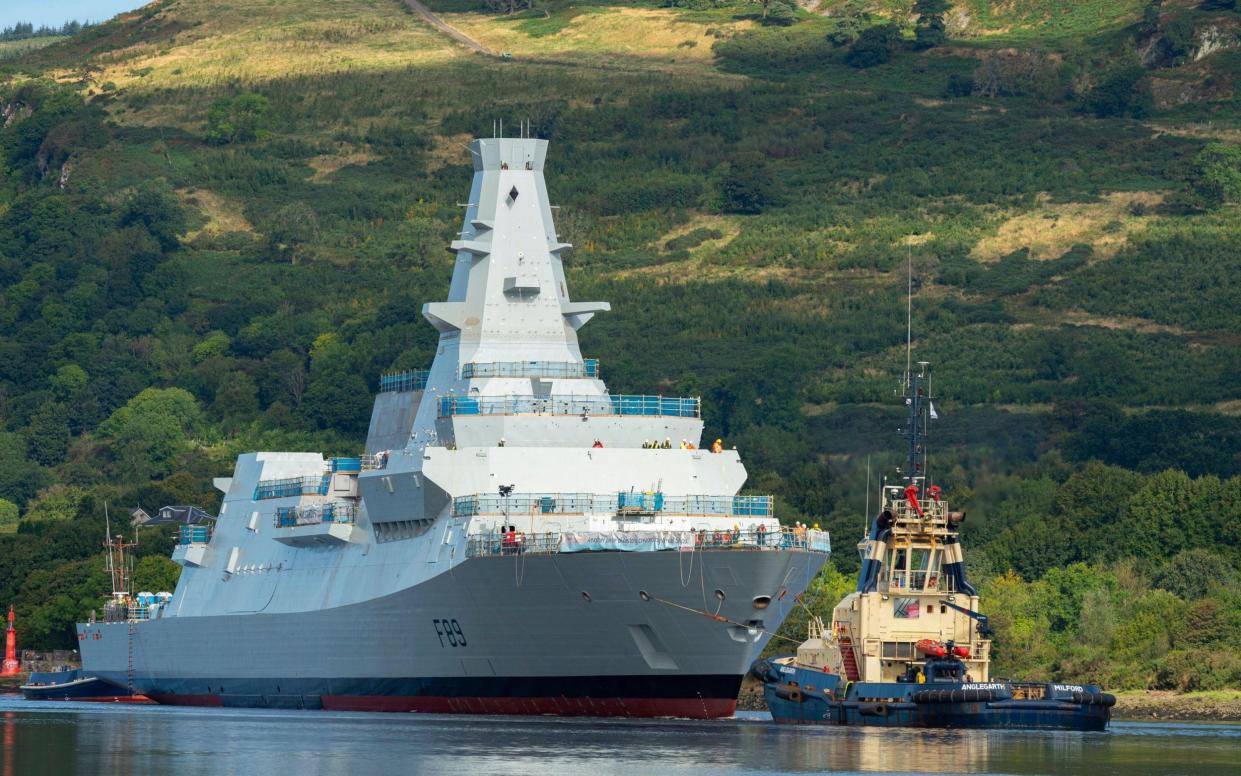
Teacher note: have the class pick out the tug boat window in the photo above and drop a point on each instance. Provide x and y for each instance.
(898, 650)
(906, 608)
(919, 565)
(899, 568)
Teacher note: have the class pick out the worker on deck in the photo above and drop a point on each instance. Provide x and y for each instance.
(667, 443)
(684, 445)
(597, 444)
(717, 446)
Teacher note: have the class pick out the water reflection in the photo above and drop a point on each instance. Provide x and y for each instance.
(153, 741)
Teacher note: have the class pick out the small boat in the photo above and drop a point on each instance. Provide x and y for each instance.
(76, 684)
(909, 648)
(73, 684)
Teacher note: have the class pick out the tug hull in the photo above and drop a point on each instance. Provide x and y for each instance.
(805, 696)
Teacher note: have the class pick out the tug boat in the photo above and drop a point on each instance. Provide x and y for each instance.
(910, 648)
(67, 683)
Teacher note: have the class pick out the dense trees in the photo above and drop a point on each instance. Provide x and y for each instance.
(237, 119)
(875, 45)
(24, 30)
(930, 29)
(749, 186)
(1215, 176)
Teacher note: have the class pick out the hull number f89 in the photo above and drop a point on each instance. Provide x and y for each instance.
(449, 632)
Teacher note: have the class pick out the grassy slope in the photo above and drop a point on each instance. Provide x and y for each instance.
(15, 48)
(372, 110)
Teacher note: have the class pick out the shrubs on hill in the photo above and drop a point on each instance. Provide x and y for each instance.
(9, 514)
(875, 45)
(1124, 92)
(749, 186)
(1215, 176)
(780, 13)
(1016, 74)
(851, 18)
(931, 30)
(237, 119)
(692, 239)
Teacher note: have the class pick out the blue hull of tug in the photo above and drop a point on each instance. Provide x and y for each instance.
(798, 695)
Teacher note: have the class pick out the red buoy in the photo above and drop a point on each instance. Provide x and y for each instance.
(11, 665)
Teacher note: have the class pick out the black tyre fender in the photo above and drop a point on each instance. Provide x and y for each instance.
(958, 696)
(764, 671)
(1094, 698)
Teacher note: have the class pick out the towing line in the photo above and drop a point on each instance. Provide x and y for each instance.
(720, 618)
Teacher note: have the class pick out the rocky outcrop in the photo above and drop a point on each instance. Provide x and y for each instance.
(14, 111)
(1159, 50)
(1214, 38)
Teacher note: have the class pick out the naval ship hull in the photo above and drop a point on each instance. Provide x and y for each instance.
(636, 634)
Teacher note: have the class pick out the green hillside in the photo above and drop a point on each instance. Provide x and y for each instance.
(219, 220)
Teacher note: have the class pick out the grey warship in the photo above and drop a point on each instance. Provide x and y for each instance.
(508, 543)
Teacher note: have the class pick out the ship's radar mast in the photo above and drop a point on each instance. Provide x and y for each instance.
(917, 404)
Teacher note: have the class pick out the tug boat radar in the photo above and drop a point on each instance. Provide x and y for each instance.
(909, 648)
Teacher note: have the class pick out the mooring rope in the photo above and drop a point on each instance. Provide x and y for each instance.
(721, 618)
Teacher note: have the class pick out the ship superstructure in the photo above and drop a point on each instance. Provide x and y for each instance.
(512, 539)
(913, 601)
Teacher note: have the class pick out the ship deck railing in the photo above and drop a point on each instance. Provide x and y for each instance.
(608, 405)
(194, 534)
(920, 582)
(315, 514)
(408, 380)
(932, 511)
(613, 503)
(498, 543)
(315, 485)
(587, 368)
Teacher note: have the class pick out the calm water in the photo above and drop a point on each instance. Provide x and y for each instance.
(66, 738)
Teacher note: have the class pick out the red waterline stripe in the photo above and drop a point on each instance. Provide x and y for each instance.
(187, 700)
(691, 708)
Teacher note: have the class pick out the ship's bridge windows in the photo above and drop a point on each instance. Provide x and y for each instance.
(920, 567)
(914, 568)
(898, 565)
